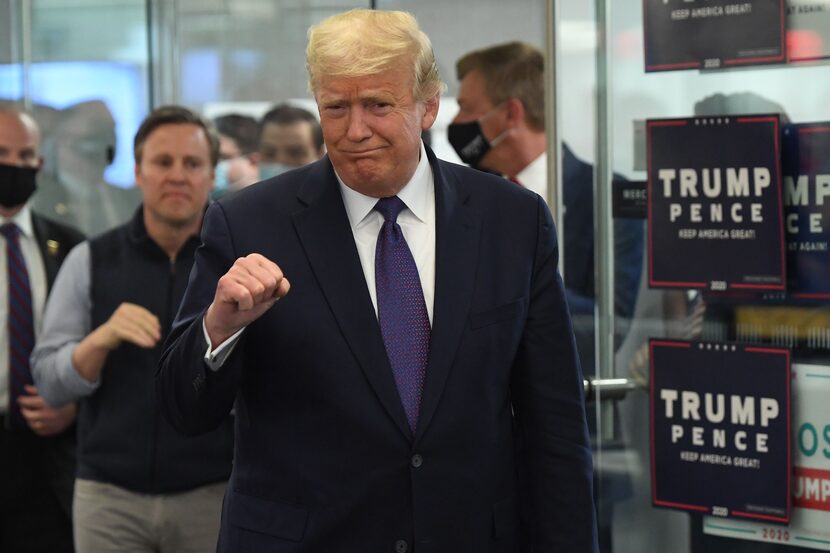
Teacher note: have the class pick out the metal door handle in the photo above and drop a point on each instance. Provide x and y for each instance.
(607, 388)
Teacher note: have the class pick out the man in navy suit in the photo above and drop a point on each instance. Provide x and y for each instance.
(37, 442)
(416, 386)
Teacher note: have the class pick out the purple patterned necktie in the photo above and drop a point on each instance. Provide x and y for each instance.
(402, 312)
(20, 325)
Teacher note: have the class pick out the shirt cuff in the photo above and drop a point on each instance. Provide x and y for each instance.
(76, 385)
(215, 358)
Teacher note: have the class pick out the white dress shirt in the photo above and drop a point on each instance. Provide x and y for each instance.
(37, 284)
(417, 223)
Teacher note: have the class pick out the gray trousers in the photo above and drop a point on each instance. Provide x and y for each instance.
(110, 519)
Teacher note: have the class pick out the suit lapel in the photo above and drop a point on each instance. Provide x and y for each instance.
(50, 249)
(456, 252)
(324, 231)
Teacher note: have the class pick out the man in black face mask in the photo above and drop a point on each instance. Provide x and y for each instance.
(500, 128)
(36, 441)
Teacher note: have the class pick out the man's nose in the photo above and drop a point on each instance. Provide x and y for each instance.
(358, 128)
(177, 172)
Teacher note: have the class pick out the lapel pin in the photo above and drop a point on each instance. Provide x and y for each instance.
(53, 246)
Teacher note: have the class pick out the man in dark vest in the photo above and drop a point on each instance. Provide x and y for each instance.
(140, 485)
(36, 441)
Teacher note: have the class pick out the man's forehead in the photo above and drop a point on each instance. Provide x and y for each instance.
(383, 83)
(472, 88)
(173, 137)
(19, 127)
(171, 131)
(295, 130)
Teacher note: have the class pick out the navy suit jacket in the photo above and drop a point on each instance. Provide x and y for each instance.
(55, 241)
(324, 457)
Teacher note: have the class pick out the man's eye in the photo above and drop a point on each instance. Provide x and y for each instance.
(296, 152)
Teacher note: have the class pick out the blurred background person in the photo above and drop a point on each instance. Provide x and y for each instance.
(79, 146)
(102, 340)
(238, 141)
(500, 128)
(289, 137)
(37, 442)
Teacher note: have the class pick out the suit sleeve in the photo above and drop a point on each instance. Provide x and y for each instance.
(547, 394)
(193, 398)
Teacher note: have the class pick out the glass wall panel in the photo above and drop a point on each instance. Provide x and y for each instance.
(238, 55)
(628, 97)
(82, 68)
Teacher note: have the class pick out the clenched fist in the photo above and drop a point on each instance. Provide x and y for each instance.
(250, 288)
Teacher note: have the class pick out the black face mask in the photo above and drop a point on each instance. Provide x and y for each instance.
(17, 184)
(468, 141)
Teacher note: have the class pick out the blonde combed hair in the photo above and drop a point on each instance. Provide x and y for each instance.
(365, 42)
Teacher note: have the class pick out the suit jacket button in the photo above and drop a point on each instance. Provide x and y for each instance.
(416, 461)
(401, 546)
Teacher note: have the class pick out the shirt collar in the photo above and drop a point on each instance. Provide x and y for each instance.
(535, 176)
(414, 194)
(23, 220)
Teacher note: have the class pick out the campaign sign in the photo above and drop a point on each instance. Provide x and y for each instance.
(810, 520)
(806, 173)
(720, 429)
(808, 30)
(707, 34)
(715, 203)
(629, 199)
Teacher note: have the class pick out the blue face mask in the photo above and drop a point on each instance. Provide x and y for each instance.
(268, 170)
(220, 179)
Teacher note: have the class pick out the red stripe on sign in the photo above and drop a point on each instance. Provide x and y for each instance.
(812, 489)
(760, 517)
(685, 506)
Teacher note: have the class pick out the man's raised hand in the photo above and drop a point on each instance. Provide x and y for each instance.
(249, 289)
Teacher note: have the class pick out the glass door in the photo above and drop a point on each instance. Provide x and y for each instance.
(634, 107)
(82, 69)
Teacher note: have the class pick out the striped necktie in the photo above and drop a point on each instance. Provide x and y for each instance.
(402, 311)
(20, 323)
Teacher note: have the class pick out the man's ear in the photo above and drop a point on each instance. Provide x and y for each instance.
(430, 112)
(137, 174)
(515, 112)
